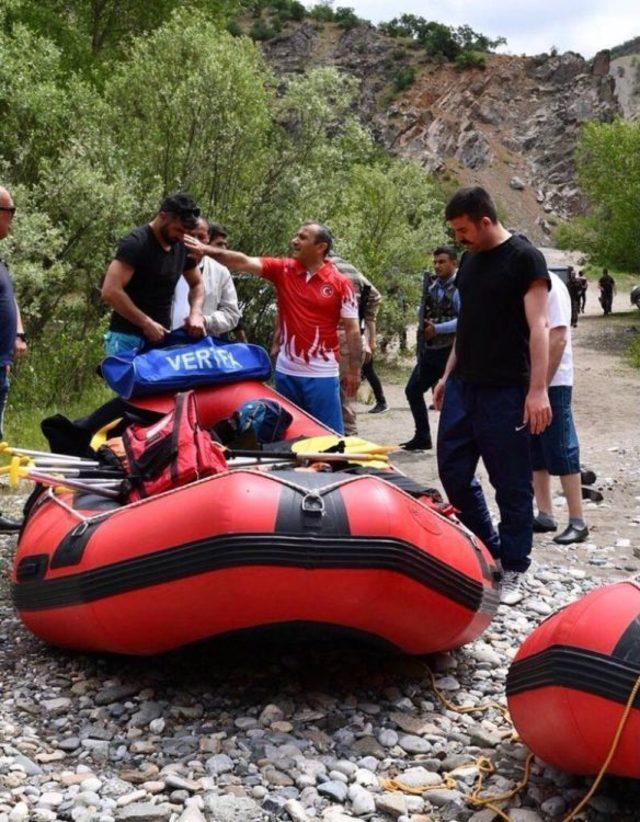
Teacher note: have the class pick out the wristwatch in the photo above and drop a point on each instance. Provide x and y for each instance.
(22, 335)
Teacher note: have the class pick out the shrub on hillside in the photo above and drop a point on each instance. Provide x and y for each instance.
(298, 11)
(470, 59)
(322, 13)
(346, 18)
(404, 78)
(260, 31)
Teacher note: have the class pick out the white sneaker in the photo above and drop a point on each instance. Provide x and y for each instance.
(511, 592)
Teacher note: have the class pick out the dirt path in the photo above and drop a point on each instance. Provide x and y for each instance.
(607, 410)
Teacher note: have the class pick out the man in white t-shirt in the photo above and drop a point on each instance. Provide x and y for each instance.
(556, 450)
(220, 308)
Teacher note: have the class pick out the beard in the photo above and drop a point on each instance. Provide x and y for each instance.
(164, 233)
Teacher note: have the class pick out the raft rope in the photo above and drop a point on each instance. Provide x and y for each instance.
(610, 755)
(483, 763)
(486, 767)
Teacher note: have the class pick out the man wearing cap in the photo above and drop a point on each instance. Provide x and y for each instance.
(141, 279)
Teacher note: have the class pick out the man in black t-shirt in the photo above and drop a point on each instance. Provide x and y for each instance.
(493, 393)
(140, 281)
(607, 290)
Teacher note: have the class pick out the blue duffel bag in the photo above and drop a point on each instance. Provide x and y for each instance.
(180, 362)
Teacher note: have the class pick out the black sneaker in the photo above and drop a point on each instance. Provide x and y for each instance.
(378, 408)
(542, 527)
(417, 445)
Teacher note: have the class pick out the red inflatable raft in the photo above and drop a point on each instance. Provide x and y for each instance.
(251, 548)
(571, 679)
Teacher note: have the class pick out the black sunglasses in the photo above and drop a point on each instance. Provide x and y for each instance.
(10, 209)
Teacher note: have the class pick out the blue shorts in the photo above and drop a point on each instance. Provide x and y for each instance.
(557, 449)
(318, 396)
(115, 342)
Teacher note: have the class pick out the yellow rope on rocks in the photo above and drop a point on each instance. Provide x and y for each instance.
(486, 767)
(466, 709)
(610, 755)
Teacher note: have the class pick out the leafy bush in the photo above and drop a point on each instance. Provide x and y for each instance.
(346, 18)
(298, 11)
(608, 166)
(438, 39)
(322, 13)
(470, 59)
(404, 78)
(260, 31)
(234, 29)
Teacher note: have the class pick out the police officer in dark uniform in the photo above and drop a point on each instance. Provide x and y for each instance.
(437, 324)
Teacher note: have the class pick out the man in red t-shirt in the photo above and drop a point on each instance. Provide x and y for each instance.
(313, 298)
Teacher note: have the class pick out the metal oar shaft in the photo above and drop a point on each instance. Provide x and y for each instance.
(51, 462)
(56, 482)
(27, 452)
(89, 473)
(332, 456)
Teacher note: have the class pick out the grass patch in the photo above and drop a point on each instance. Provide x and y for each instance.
(22, 424)
(633, 351)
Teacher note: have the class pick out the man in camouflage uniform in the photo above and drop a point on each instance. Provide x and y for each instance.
(369, 299)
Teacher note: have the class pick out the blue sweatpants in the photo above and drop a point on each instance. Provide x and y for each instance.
(318, 396)
(483, 421)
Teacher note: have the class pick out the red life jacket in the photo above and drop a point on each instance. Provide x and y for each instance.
(172, 452)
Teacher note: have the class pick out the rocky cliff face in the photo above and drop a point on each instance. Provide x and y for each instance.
(511, 127)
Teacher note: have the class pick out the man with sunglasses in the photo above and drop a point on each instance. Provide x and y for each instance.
(141, 280)
(12, 336)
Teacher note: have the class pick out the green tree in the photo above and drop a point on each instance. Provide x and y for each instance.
(89, 32)
(346, 18)
(389, 222)
(608, 165)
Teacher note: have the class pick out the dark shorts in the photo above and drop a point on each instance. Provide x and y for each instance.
(557, 449)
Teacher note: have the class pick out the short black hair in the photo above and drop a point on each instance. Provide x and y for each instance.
(217, 230)
(323, 235)
(472, 201)
(183, 206)
(449, 250)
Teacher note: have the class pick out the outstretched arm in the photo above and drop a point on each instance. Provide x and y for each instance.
(234, 260)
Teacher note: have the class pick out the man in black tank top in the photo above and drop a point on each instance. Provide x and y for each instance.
(493, 393)
(142, 277)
